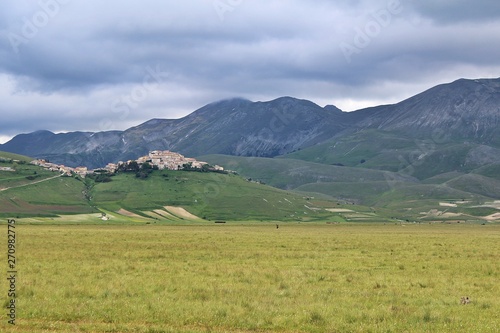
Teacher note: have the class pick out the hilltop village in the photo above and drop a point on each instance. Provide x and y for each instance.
(156, 159)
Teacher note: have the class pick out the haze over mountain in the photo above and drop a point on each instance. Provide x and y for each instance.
(466, 110)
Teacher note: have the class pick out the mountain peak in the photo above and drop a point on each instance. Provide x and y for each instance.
(332, 108)
(287, 100)
(42, 132)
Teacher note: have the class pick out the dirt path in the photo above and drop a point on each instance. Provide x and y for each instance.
(39, 181)
(181, 212)
(125, 212)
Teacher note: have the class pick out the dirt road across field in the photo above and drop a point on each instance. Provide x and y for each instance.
(39, 181)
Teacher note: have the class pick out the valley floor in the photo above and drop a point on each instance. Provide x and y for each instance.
(240, 277)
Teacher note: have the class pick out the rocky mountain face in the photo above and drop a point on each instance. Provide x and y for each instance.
(241, 127)
(465, 110)
(233, 127)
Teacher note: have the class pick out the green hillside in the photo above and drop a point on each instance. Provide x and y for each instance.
(4, 156)
(381, 150)
(477, 184)
(209, 196)
(30, 191)
(370, 149)
(292, 173)
(490, 170)
(391, 194)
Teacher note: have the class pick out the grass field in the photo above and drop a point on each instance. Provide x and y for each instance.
(237, 277)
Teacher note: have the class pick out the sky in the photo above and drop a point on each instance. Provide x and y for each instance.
(88, 65)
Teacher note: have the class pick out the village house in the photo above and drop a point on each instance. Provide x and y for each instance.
(67, 171)
(82, 171)
(111, 167)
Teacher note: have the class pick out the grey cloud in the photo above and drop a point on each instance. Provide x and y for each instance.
(92, 54)
(453, 11)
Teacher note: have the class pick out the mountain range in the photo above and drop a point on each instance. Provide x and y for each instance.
(233, 127)
(466, 110)
(445, 136)
(463, 110)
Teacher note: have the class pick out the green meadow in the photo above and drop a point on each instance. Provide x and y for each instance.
(255, 277)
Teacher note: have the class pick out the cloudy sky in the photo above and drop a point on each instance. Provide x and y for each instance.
(91, 65)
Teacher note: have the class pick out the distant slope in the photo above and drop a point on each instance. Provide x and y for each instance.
(10, 156)
(462, 110)
(476, 184)
(71, 149)
(490, 170)
(291, 173)
(455, 201)
(381, 150)
(368, 149)
(449, 128)
(394, 193)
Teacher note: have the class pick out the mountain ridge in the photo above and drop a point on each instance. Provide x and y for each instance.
(463, 110)
(468, 106)
(269, 130)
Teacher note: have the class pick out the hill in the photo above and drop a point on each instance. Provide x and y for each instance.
(453, 195)
(164, 196)
(6, 157)
(292, 173)
(382, 150)
(208, 196)
(28, 190)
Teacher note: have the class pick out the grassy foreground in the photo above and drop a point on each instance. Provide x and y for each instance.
(256, 278)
